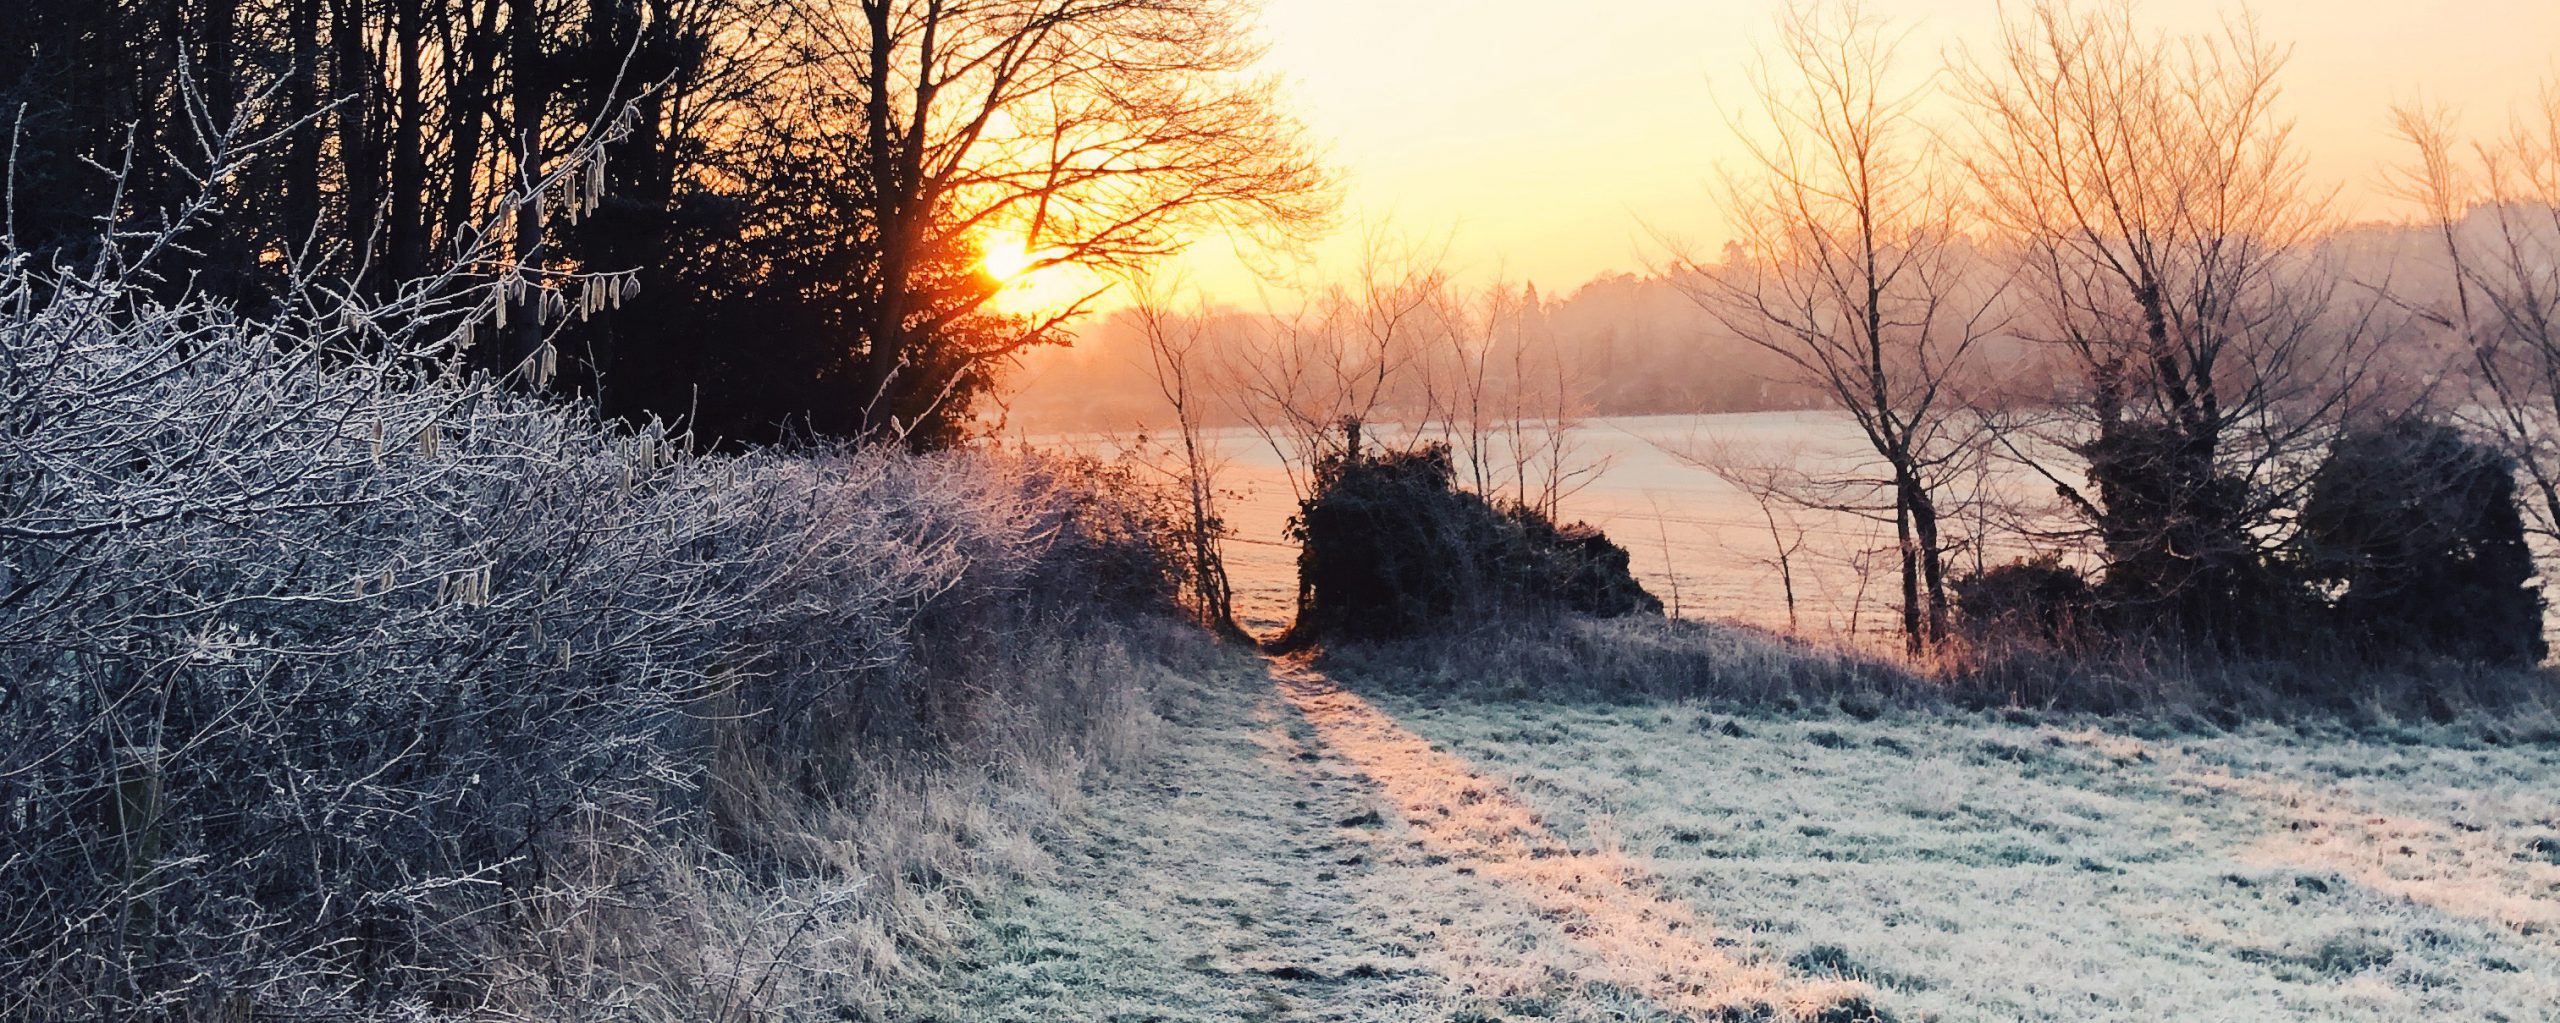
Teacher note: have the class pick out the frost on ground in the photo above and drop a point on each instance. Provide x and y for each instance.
(1977, 868)
(1261, 870)
(1304, 852)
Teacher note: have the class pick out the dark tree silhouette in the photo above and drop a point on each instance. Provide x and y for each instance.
(804, 187)
(2416, 528)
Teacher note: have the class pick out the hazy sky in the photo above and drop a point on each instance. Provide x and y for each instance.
(1548, 140)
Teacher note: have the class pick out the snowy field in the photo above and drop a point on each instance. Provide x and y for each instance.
(1304, 849)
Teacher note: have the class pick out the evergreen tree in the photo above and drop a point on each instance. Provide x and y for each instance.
(2415, 527)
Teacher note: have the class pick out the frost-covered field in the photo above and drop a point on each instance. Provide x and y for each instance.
(1978, 868)
(1307, 852)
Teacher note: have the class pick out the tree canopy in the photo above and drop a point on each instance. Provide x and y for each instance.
(803, 188)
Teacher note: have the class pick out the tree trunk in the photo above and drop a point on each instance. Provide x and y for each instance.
(408, 228)
(1911, 639)
(351, 77)
(1924, 528)
(302, 152)
(524, 32)
(887, 344)
(468, 101)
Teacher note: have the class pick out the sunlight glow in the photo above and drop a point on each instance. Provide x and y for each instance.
(1557, 148)
(1008, 260)
(1031, 280)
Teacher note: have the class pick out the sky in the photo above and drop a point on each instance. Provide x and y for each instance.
(1553, 142)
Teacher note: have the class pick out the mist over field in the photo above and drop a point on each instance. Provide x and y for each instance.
(1453, 511)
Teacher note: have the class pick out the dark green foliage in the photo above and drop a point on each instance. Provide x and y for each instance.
(1577, 566)
(2038, 600)
(2407, 543)
(1391, 547)
(2415, 529)
(755, 322)
(2182, 561)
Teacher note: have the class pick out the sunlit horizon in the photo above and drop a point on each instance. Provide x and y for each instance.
(1554, 150)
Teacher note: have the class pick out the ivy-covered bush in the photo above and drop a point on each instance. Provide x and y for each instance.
(1389, 546)
(2414, 527)
(2035, 601)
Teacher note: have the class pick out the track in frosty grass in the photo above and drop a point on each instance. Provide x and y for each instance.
(1293, 859)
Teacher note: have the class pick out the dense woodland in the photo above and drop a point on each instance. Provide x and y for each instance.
(788, 200)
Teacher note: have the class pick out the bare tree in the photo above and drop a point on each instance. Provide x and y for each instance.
(1671, 565)
(2496, 215)
(1850, 266)
(1411, 355)
(1399, 356)
(1355, 353)
(1177, 348)
(2154, 198)
(1098, 131)
(1779, 484)
(1499, 391)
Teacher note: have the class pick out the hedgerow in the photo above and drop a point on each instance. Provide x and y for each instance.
(336, 684)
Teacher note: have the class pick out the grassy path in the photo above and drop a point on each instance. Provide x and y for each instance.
(1222, 883)
(1296, 856)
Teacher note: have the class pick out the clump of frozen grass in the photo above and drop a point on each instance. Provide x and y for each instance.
(2337, 685)
(1568, 659)
(334, 683)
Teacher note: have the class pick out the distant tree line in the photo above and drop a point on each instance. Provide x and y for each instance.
(1632, 345)
(798, 190)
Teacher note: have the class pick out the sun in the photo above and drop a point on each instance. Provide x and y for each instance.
(1007, 259)
(1029, 279)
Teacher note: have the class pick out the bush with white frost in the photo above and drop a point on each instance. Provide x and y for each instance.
(333, 684)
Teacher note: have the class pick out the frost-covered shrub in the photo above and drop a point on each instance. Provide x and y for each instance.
(334, 685)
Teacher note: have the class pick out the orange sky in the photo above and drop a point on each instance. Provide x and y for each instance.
(1549, 141)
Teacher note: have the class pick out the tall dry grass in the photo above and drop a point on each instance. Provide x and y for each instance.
(1564, 658)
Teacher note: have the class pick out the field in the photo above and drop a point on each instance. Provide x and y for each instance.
(1312, 848)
